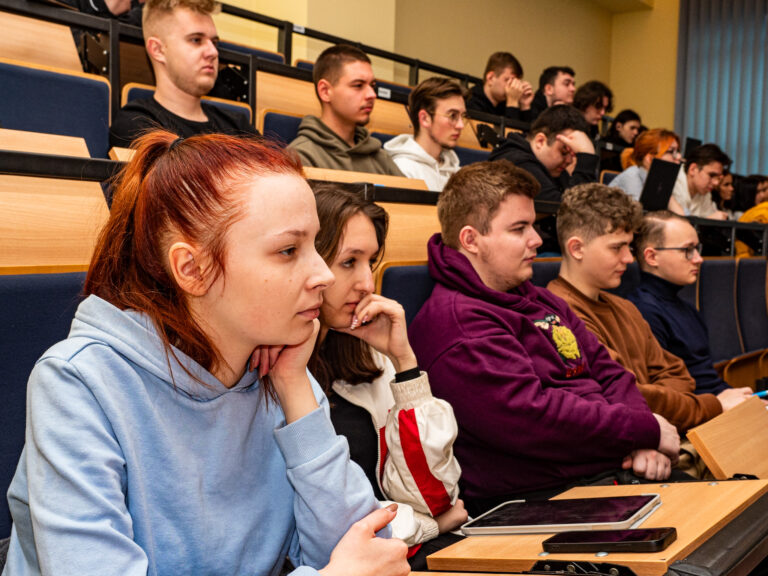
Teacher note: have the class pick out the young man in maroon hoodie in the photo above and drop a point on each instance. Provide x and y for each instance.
(539, 402)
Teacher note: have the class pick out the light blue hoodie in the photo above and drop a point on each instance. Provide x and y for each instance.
(127, 472)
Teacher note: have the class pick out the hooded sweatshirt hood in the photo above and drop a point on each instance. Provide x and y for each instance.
(132, 334)
(318, 145)
(414, 161)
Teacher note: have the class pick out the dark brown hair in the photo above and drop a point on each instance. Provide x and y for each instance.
(331, 61)
(341, 356)
(426, 95)
(174, 186)
(473, 195)
(499, 61)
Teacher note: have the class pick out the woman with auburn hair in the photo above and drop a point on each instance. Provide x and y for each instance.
(656, 143)
(399, 434)
(150, 447)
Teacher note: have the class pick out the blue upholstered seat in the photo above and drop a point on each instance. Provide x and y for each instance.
(717, 304)
(544, 271)
(263, 54)
(470, 155)
(138, 91)
(393, 88)
(36, 311)
(381, 137)
(281, 127)
(51, 102)
(751, 303)
(305, 65)
(409, 285)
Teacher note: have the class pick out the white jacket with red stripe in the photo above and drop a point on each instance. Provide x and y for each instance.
(416, 466)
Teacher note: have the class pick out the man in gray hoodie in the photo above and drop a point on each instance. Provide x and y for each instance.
(345, 86)
(438, 113)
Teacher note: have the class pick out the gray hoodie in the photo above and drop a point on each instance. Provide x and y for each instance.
(318, 145)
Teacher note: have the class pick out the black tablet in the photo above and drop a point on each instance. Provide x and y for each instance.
(546, 516)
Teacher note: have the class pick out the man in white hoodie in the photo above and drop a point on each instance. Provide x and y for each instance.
(438, 113)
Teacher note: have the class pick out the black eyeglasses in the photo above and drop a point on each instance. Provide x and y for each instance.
(688, 250)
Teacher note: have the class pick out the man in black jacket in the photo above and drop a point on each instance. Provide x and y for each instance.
(556, 86)
(558, 153)
(503, 92)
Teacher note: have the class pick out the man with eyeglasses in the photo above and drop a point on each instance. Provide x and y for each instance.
(438, 114)
(703, 170)
(668, 251)
(595, 226)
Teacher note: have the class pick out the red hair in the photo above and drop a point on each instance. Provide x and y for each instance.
(175, 187)
(654, 142)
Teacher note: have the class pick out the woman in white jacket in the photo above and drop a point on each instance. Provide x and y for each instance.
(398, 432)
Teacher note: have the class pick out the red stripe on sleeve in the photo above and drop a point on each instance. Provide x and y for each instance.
(437, 498)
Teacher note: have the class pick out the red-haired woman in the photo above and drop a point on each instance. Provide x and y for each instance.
(656, 143)
(400, 435)
(150, 447)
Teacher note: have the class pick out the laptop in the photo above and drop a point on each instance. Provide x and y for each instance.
(659, 185)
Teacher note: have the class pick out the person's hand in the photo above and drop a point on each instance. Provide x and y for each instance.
(381, 323)
(526, 98)
(287, 369)
(452, 518)
(361, 553)
(731, 397)
(577, 141)
(718, 215)
(648, 464)
(514, 89)
(118, 7)
(669, 440)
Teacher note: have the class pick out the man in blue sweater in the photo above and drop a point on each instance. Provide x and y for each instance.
(668, 251)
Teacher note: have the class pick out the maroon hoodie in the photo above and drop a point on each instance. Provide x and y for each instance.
(538, 400)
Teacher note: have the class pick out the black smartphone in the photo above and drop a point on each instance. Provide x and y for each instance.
(637, 540)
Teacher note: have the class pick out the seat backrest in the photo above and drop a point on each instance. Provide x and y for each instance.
(280, 126)
(407, 283)
(258, 52)
(545, 270)
(735, 442)
(751, 303)
(382, 137)
(384, 88)
(717, 304)
(36, 311)
(133, 91)
(470, 155)
(607, 175)
(39, 99)
(304, 64)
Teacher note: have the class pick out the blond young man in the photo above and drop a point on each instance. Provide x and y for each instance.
(595, 226)
(437, 112)
(181, 42)
(346, 88)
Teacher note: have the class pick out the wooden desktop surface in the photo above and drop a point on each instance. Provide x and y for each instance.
(697, 510)
(330, 175)
(46, 224)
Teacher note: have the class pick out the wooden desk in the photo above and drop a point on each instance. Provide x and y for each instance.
(330, 175)
(47, 225)
(34, 41)
(697, 510)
